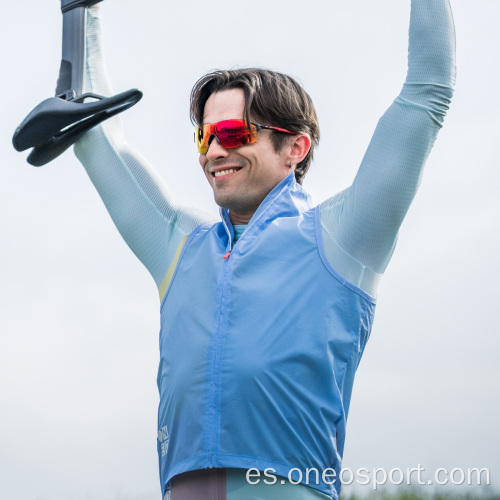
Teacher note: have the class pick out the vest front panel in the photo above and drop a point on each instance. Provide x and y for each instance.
(258, 351)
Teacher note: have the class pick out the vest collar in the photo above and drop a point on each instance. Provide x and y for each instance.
(287, 199)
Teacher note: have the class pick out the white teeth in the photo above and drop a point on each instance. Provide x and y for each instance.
(225, 172)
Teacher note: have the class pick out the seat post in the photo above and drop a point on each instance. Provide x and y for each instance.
(71, 81)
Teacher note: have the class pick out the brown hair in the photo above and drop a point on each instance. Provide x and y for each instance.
(273, 98)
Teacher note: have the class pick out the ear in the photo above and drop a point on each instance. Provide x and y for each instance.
(299, 147)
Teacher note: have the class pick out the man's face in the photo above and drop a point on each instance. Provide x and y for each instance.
(241, 177)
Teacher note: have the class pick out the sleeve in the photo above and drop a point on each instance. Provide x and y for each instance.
(137, 199)
(360, 224)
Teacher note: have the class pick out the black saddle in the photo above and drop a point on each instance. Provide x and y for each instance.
(56, 123)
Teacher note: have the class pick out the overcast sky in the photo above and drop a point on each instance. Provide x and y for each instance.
(79, 313)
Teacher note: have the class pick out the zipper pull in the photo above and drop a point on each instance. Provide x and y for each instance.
(227, 255)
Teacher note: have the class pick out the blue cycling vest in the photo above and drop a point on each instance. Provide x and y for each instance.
(258, 349)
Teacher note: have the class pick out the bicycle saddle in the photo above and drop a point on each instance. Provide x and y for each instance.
(58, 122)
(55, 124)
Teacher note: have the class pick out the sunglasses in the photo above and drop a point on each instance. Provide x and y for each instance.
(230, 134)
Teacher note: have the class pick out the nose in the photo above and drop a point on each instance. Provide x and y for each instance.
(215, 149)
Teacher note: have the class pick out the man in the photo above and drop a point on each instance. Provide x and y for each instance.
(265, 314)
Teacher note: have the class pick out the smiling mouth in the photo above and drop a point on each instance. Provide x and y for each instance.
(228, 171)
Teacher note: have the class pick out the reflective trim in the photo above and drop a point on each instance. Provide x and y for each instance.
(165, 282)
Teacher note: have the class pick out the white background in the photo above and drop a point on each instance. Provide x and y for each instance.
(79, 313)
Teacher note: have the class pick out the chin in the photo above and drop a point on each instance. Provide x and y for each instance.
(223, 201)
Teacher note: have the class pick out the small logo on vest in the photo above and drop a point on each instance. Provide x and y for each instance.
(163, 438)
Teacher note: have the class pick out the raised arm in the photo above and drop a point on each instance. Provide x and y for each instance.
(360, 224)
(137, 199)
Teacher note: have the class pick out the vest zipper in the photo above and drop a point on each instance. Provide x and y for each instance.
(216, 355)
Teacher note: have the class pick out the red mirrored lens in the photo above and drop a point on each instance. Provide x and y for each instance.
(230, 133)
(233, 133)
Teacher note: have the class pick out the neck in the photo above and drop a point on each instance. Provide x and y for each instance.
(240, 218)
